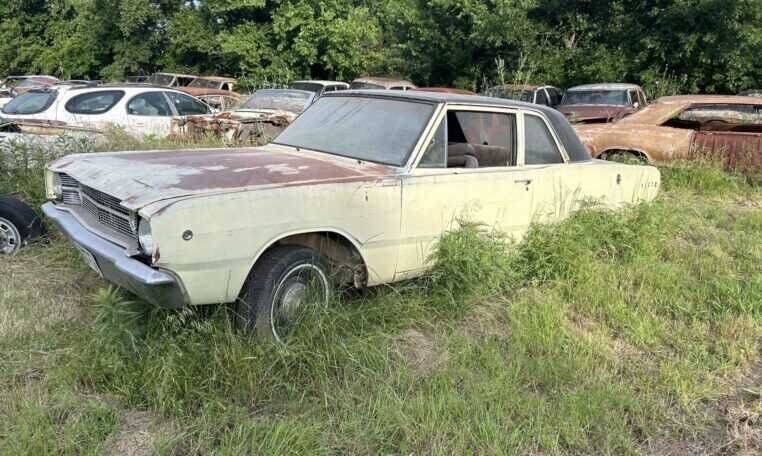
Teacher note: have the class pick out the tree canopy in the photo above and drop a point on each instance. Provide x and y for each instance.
(695, 45)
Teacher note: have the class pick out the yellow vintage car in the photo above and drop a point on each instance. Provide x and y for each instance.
(356, 191)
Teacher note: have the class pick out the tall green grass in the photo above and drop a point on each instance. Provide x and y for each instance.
(590, 336)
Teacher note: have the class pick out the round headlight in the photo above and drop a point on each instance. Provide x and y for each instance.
(145, 238)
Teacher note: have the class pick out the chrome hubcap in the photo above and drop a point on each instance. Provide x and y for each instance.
(10, 238)
(301, 286)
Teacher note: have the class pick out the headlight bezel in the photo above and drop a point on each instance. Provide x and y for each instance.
(145, 237)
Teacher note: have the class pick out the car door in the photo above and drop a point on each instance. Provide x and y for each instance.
(468, 173)
(95, 109)
(149, 113)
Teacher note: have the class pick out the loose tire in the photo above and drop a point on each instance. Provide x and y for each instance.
(281, 289)
(18, 225)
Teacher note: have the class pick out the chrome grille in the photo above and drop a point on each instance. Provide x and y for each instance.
(107, 211)
(68, 181)
(99, 206)
(69, 189)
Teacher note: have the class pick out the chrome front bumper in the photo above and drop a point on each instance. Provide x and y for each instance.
(156, 287)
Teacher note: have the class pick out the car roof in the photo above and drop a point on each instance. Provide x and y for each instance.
(321, 82)
(605, 86)
(442, 97)
(216, 78)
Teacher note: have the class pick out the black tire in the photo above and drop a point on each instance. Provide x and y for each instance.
(18, 225)
(275, 283)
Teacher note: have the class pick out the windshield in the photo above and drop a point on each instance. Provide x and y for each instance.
(204, 83)
(365, 86)
(285, 100)
(373, 129)
(596, 97)
(161, 79)
(32, 102)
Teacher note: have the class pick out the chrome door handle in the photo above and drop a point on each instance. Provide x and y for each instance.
(523, 181)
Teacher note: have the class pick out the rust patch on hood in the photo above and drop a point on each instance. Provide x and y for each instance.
(141, 178)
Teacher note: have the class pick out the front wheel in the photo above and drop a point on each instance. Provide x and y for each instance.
(283, 289)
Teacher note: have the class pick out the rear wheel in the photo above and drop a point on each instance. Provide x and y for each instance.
(283, 289)
(18, 225)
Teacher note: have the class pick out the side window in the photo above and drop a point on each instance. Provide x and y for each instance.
(398, 88)
(542, 99)
(187, 105)
(642, 96)
(98, 102)
(149, 104)
(555, 96)
(540, 146)
(468, 139)
(436, 153)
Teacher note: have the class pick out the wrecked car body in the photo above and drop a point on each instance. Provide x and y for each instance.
(723, 128)
(267, 227)
(215, 91)
(256, 121)
(601, 103)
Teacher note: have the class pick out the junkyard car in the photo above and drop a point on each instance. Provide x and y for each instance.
(726, 128)
(18, 225)
(539, 94)
(171, 79)
(215, 91)
(598, 103)
(319, 87)
(358, 190)
(381, 83)
(139, 109)
(257, 121)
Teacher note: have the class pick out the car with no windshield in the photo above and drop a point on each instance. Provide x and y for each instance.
(721, 128)
(319, 87)
(356, 191)
(600, 103)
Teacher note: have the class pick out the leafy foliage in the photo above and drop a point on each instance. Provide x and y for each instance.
(667, 45)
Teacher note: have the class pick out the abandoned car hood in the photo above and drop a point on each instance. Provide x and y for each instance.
(142, 178)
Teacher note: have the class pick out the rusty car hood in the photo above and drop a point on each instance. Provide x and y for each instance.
(142, 178)
(201, 91)
(589, 113)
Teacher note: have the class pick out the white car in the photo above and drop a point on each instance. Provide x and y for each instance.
(139, 109)
(357, 190)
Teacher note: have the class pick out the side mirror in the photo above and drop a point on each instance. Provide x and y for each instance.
(636, 105)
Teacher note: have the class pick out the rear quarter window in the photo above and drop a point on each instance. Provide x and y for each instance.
(32, 102)
(98, 102)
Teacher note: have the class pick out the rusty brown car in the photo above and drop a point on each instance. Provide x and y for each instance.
(600, 103)
(724, 128)
(215, 91)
